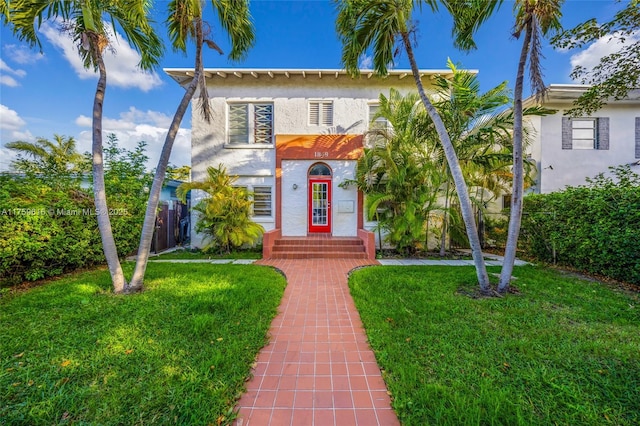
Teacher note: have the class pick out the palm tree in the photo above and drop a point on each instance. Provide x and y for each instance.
(225, 215)
(58, 158)
(477, 129)
(83, 20)
(364, 24)
(396, 171)
(185, 23)
(534, 18)
(481, 130)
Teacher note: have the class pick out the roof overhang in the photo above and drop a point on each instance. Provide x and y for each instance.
(568, 93)
(184, 75)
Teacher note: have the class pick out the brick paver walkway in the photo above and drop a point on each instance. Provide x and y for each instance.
(318, 368)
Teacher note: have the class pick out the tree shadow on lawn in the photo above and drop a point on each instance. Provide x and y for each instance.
(178, 352)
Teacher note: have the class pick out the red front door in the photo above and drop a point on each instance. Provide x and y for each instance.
(319, 205)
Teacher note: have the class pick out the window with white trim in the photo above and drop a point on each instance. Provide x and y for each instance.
(321, 113)
(585, 133)
(378, 124)
(250, 123)
(262, 201)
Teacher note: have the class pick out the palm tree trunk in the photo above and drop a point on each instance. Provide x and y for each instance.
(99, 193)
(146, 235)
(445, 220)
(515, 216)
(456, 172)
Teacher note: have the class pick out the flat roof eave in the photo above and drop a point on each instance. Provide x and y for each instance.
(181, 75)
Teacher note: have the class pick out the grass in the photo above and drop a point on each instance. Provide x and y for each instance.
(71, 352)
(564, 351)
(197, 254)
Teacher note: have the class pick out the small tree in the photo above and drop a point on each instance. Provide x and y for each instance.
(224, 216)
(618, 72)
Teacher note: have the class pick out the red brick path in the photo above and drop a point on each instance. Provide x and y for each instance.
(318, 368)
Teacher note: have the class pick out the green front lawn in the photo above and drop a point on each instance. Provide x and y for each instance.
(178, 353)
(252, 253)
(565, 351)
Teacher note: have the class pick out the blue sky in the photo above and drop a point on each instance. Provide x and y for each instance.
(46, 94)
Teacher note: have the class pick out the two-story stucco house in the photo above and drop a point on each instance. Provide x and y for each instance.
(568, 150)
(292, 137)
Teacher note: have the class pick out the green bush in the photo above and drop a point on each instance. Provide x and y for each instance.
(594, 227)
(48, 226)
(225, 215)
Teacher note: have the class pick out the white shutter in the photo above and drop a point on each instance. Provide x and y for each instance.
(327, 113)
(314, 113)
(321, 113)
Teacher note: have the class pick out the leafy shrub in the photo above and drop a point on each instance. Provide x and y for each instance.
(495, 230)
(48, 224)
(594, 227)
(225, 215)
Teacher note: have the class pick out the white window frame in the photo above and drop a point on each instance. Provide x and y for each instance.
(320, 113)
(580, 139)
(252, 124)
(264, 190)
(379, 123)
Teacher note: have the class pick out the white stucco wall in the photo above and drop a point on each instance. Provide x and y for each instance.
(256, 163)
(559, 167)
(295, 201)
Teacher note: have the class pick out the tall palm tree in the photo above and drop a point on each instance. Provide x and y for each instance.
(185, 23)
(54, 158)
(380, 25)
(534, 19)
(396, 171)
(481, 131)
(83, 20)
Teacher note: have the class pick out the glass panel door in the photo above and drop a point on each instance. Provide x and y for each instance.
(319, 205)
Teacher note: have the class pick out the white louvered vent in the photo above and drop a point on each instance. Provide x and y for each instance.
(321, 113)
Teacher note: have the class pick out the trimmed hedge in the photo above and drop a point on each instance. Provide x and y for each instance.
(49, 227)
(594, 228)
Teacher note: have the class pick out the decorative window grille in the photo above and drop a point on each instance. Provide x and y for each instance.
(321, 113)
(250, 123)
(238, 123)
(263, 118)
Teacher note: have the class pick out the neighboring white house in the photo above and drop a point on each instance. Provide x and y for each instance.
(569, 150)
(292, 137)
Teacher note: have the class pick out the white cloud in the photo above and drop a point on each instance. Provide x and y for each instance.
(120, 60)
(604, 46)
(134, 126)
(21, 54)
(11, 129)
(8, 80)
(9, 119)
(6, 68)
(7, 156)
(366, 62)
